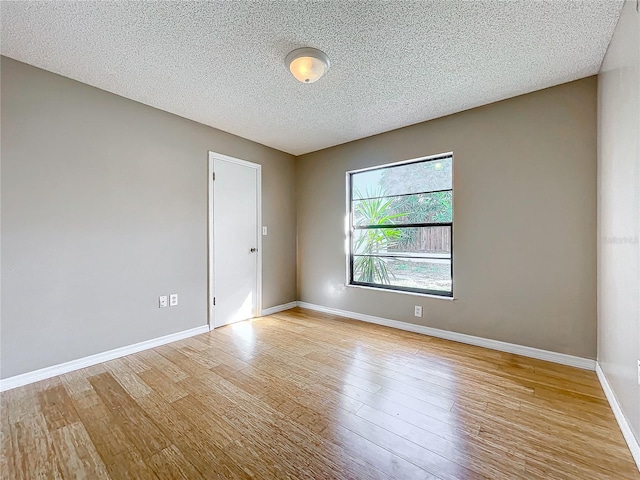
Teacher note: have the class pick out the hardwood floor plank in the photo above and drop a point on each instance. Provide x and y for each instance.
(57, 408)
(383, 377)
(129, 380)
(427, 460)
(182, 361)
(140, 430)
(8, 451)
(305, 395)
(154, 358)
(469, 453)
(129, 465)
(77, 457)
(76, 383)
(309, 411)
(170, 464)
(106, 434)
(201, 439)
(556, 426)
(214, 464)
(383, 459)
(20, 403)
(162, 385)
(431, 418)
(539, 446)
(256, 421)
(34, 455)
(119, 454)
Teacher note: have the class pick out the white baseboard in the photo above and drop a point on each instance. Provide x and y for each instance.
(279, 308)
(630, 438)
(48, 372)
(555, 357)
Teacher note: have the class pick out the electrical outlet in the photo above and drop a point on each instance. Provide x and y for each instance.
(264, 230)
(162, 301)
(418, 311)
(173, 299)
(638, 372)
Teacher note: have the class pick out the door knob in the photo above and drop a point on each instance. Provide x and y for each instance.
(253, 250)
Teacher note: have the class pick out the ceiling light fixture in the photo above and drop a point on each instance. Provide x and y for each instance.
(308, 65)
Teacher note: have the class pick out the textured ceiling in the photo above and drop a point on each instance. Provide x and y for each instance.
(393, 63)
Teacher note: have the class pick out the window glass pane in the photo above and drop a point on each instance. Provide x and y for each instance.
(403, 241)
(418, 208)
(385, 250)
(376, 241)
(418, 177)
(415, 273)
(428, 241)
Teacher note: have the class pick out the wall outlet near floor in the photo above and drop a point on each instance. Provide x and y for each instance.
(173, 299)
(638, 372)
(162, 301)
(418, 311)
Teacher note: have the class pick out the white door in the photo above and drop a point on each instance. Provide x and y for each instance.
(236, 248)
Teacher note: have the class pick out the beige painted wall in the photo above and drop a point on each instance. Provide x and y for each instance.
(104, 208)
(619, 214)
(524, 220)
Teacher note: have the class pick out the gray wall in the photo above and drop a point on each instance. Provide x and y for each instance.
(104, 208)
(524, 220)
(619, 214)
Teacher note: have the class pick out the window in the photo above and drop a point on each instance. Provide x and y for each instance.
(401, 226)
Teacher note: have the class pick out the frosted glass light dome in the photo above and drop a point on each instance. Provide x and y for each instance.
(307, 65)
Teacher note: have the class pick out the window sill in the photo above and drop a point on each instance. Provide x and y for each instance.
(415, 294)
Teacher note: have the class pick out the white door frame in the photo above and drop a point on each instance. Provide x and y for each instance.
(211, 239)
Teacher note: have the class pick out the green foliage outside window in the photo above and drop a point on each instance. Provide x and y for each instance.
(373, 241)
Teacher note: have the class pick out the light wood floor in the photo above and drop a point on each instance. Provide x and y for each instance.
(306, 395)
